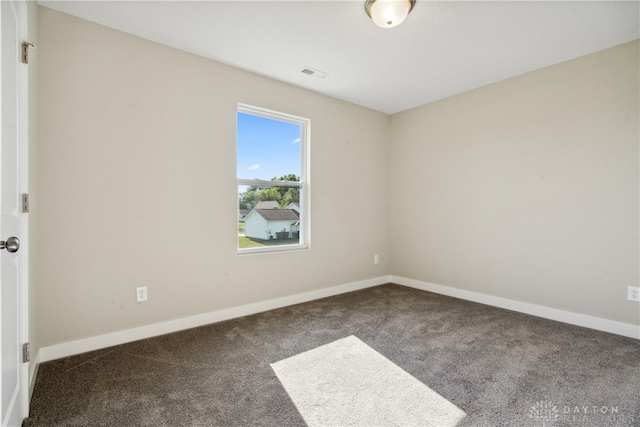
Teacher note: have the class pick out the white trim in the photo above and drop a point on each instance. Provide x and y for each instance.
(71, 348)
(18, 406)
(597, 323)
(271, 114)
(304, 184)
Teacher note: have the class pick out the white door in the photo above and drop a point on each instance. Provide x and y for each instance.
(13, 142)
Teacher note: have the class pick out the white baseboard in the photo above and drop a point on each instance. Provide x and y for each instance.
(597, 323)
(71, 348)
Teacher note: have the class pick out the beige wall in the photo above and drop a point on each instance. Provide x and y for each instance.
(526, 189)
(137, 167)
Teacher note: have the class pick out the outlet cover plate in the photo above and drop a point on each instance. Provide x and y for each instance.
(633, 293)
(141, 294)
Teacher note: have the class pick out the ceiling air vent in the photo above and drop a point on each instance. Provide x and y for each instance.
(313, 73)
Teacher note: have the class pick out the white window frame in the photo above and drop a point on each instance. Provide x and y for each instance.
(305, 160)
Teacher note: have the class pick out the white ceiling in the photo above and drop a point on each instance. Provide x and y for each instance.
(443, 48)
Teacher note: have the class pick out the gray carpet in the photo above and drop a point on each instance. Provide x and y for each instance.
(500, 367)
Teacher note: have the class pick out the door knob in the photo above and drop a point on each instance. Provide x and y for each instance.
(11, 245)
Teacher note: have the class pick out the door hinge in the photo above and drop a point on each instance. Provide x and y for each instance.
(25, 203)
(26, 352)
(25, 51)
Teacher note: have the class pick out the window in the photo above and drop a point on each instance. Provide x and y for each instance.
(273, 180)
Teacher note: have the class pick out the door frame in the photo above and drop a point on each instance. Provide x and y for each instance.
(20, 408)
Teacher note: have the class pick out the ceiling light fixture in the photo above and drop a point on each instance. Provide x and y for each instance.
(388, 13)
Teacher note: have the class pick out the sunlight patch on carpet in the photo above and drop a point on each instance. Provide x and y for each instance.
(347, 383)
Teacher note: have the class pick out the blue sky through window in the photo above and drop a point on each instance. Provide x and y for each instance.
(267, 148)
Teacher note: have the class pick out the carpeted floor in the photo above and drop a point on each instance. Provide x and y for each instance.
(347, 383)
(500, 367)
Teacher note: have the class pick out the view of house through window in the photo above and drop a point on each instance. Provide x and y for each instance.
(272, 180)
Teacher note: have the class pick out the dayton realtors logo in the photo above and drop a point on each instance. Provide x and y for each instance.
(600, 415)
(546, 412)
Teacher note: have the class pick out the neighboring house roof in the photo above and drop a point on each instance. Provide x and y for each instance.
(293, 205)
(278, 214)
(244, 212)
(268, 204)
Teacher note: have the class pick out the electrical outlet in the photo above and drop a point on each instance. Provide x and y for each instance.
(376, 259)
(633, 293)
(141, 294)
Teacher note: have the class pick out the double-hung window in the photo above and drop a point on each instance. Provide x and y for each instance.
(273, 180)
